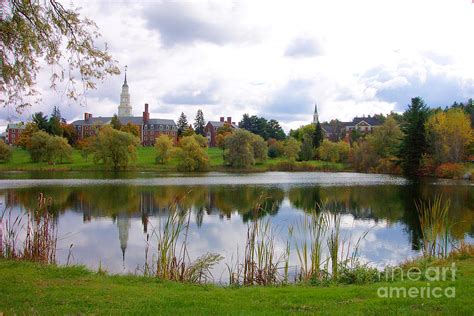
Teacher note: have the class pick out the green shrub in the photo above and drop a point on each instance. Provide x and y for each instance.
(5, 152)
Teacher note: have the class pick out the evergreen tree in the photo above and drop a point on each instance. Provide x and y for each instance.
(41, 121)
(199, 123)
(54, 123)
(275, 131)
(318, 136)
(182, 124)
(115, 122)
(414, 143)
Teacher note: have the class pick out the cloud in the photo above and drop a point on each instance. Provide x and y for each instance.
(304, 47)
(187, 22)
(192, 96)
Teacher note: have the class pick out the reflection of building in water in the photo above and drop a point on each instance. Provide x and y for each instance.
(123, 224)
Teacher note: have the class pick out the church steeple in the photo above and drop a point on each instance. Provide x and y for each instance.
(125, 109)
(315, 115)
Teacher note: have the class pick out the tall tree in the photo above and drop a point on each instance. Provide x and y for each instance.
(182, 124)
(318, 136)
(32, 30)
(115, 122)
(199, 123)
(414, 141)
(41, 121)
(274, 130)
(54, 123)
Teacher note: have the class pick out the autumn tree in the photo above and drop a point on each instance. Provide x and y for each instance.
(191, 155)
(5, 152)
(115, 149)
(449, 135)
(33, 31)
(239, 152)
(199, 123)
(58, 150)
(131, 129)
(292, 149)
(25, 137)
(414, 142)
(307, 152)
(259, 147)
(163, 147)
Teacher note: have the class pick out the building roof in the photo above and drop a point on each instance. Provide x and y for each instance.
(369, 120)
(136, 120)
(16, 125)
(220, 124)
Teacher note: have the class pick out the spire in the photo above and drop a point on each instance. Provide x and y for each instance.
(315, 115)
(125, 81)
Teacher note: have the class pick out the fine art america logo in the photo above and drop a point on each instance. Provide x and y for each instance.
(431, 274)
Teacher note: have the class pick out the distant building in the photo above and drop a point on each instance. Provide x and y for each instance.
(13, 133)
(212, 126)
(342, 130)
(315, 114)
(149, 129)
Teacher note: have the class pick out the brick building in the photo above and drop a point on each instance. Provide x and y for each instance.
(212, 126)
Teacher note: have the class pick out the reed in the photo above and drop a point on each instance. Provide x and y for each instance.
(39, 229)
(434, 223)
(333, 243)
(313, 227)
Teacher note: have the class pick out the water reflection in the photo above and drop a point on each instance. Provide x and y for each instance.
(84, 213)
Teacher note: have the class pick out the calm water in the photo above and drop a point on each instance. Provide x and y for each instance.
(107, 218)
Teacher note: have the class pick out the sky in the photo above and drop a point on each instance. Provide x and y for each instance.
(276, 58)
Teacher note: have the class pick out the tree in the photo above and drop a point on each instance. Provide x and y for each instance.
(255, 124)
(115, 149)
(199, 123)
(386, 138)
(163, 146)
(414, 141)
(318, 136)
(5, 152)
(54, 123)
(25, 136)
(131, 129)
(69, 132)
(201, 140)
(38, 146)
(259, 147)
(115, 122)
(291, 149)
(307, 152)
(41, 121)
(238, 149)
(191, 155)
(274, 130)
(182, 124)
(32, 30)
(449, 135)
(329, 151)
(222, 133)
(58, 149)
(275, 148)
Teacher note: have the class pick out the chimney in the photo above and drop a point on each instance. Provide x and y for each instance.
(222, 119)
(229, 120)
(87, 116)
(146, 114)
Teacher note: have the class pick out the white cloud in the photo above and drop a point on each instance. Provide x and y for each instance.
(231, 57)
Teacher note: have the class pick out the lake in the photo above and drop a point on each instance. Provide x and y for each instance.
(104, 220)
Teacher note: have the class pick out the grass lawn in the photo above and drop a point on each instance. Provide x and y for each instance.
(27, 288)
(145, 162)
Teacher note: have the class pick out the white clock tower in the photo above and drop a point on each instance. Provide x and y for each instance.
(125, 109)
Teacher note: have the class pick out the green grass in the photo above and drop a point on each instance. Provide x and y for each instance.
(145, 162)
(28, 288)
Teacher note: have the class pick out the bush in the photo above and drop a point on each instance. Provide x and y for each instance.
(292, 149)
(5, 152)
(192, 156)
(113, 148)
(37, 146)
(163, 146)
(259, 147)
(450, 170)
(58, 149)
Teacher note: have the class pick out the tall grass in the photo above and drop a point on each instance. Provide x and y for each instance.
(333, 243)
(172, 261)
(38, 230)
(434, 223)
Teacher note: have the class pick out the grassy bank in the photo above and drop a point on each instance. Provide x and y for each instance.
(28, 288)
(146, 162)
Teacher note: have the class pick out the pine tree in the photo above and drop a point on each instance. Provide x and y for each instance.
(318, 136)
(115, 122)
(414, 143)
(182, 124)
(199, 123)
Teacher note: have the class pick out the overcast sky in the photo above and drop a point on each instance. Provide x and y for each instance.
(278, 58)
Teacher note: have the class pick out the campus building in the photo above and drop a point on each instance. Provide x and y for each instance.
(212, 126)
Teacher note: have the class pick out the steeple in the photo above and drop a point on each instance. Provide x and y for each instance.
(125, 109)
(315, 115)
